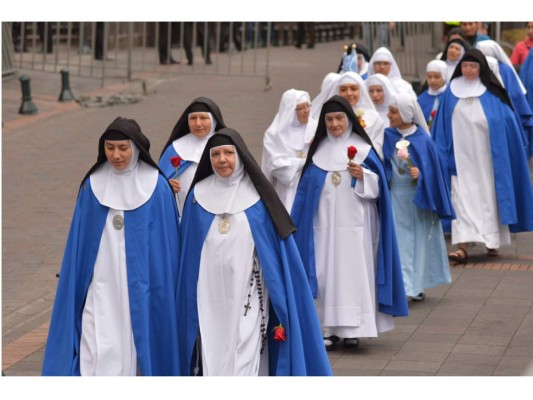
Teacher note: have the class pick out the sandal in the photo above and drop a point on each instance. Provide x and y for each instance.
(492, 252)
(460, 256)
(330, 342)
(419, 297)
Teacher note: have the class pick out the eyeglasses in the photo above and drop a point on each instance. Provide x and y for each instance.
(304, 107)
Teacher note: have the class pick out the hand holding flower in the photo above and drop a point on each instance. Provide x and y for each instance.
(414, 172)
(355, 170)
(176, 185)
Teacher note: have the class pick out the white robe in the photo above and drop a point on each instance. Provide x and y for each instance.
(375, 128)
(230, 341)
(346, 232)
(106, 344)
(473, 190)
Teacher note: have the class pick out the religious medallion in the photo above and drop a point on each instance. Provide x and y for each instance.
(336, 178)
(301, 154)
(118, 222)
(224, 225)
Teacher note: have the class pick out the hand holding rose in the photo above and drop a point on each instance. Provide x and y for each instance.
(355, 170)
(176, 185)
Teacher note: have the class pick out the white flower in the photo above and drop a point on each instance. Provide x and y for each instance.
(359, 113)
(402, 144)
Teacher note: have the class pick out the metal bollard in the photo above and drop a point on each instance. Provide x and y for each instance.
(27, 107)
(66, 93)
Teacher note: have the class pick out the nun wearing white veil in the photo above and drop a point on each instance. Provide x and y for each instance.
(434, 87)
(380, 90)
(420, 197)
(383, 61)
(115, 312)
(352, 87)
(286, 142)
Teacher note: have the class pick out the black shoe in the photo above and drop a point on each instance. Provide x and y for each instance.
(419, 297)
(169, 62)
(330, 342)
(351, 343)
(208, 62)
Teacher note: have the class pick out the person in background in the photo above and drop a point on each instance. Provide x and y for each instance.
(115, 308)
(286, 143)
(452, 54)
(420, 197)
(383, 62)
(380, 90)
(435, 85)
(522, 48)
(482, 151)
(472, 32)
(187, 141)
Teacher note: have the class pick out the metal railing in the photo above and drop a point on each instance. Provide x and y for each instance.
(102, 50)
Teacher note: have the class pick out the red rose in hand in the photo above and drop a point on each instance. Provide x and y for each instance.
(279, 333)
(352, 151)
(175, 161)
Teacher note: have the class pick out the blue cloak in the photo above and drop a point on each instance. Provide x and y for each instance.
(432, 192)
(389, 282)
(526, 75)
(511, 172)
(426, 101)
(291, 302)
(167, 167)
(151, 235)
(520, 104)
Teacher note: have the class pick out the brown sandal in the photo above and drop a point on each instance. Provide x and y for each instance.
(460, 256)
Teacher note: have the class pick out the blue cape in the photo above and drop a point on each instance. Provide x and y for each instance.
(389, 281)
(526, 75)
(432, 192)
(166, 166)
(520, 104)
(425, 100)
(151, 234)
(291, 302)
(511, 172)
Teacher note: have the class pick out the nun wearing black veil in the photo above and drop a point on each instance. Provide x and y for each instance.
(481, 146)
(187, 140)
(244, 303)
(346, 234)
(114, 311)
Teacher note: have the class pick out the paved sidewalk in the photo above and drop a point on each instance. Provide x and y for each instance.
(480, 325)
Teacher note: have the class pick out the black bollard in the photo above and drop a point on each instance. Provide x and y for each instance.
(66, 94)
(27, 107)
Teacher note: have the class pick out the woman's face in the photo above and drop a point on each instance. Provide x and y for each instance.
(382, 67)
(336, 123)
(351, 92)
(435, 80)
(470, 69)
(302, 112)
(118, 153)
(377, 94)
(395, 119)
(223, 160)
(454, 52)
(199, 124)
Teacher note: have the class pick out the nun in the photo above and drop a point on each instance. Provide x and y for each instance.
(346, 235)
(244, 303)
(436, 83)
(420, 197)
(351, 86)
(481, 146)
(286, 143)
(196, 125)
(380, 90)
(383, 62)
(114, 311)
(526, 74)
(453, 52)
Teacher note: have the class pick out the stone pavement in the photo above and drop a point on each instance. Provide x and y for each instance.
(480, 325)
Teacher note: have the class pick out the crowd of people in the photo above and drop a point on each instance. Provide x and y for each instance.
(210, 263)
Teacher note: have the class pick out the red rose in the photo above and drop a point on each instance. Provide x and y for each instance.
(433, 113)
(175, 161)
(352, 151)
(279, 333)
